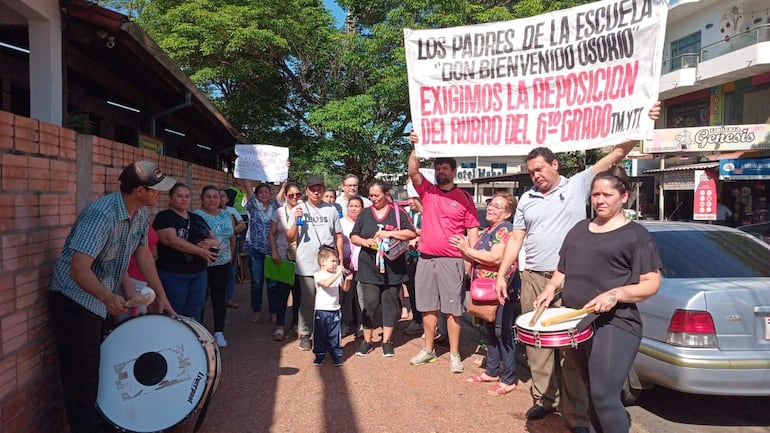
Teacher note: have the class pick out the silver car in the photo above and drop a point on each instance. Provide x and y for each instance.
(707, 330)
(759, 231)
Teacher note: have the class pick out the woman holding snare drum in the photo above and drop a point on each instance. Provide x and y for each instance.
(628, 272)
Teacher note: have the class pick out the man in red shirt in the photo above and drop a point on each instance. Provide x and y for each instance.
(446, 211)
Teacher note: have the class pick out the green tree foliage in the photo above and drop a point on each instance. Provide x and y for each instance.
(284, 74)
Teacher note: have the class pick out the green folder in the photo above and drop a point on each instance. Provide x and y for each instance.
(283, 272)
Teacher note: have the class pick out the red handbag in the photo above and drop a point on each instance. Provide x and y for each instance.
(483, 289)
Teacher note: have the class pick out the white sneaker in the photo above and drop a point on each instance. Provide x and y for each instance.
(455, 363)
(220, 339)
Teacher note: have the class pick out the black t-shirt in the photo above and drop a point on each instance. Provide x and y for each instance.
(194, 229)
(366, 226)
(596, 262)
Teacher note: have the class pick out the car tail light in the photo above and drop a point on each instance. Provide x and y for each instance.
(692, 329)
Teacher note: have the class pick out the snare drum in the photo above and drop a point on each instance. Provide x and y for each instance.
(155, 371)
(557, 335)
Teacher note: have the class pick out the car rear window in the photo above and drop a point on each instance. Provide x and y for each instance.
(711, 254)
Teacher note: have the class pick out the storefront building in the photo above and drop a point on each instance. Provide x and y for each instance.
(715, 88)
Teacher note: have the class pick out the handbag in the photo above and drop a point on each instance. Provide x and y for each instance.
(483, 289)
(484, 310)
(291, 252)
(395, 248)
(484, 302)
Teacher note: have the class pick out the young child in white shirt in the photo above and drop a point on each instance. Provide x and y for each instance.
(327, 316)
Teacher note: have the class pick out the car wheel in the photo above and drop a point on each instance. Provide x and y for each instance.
(629, 395)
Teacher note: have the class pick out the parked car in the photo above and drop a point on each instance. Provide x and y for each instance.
(759, 230)
(707, 330)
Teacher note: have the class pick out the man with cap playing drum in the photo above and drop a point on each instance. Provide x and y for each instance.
(87, 276)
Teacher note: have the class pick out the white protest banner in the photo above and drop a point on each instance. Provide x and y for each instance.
(261, 162)
(573, 79)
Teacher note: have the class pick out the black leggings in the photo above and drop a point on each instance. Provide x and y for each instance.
(217, 278)
(606, 359)
(374, 295)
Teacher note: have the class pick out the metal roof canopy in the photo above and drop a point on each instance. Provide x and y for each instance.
(697, 166)
(132, 67)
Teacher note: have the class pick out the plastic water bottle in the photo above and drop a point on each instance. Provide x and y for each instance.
(300, 221)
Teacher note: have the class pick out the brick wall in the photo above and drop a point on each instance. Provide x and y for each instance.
(41, 167)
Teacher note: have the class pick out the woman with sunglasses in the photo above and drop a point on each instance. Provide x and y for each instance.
(281, 249)
(484, 258)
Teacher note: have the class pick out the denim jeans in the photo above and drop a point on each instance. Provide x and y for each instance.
(277, 299)
(185, 292)
(296, 300)
(501, 349)
(257, 268)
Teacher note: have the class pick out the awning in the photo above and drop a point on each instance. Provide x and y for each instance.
(698, 166)
(738, 154)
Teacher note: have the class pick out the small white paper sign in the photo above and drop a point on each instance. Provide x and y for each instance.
(428, 173)
(261, 162)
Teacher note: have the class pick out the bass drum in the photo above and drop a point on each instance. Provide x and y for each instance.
(155, 371)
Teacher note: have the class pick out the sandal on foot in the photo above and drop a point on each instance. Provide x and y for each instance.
(479, 378)
(499, 389)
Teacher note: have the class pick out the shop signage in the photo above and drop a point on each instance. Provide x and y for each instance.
(148, 142)
(468, 174)
(705, 198)
(715, 103)
(709, 139)
(745, 169)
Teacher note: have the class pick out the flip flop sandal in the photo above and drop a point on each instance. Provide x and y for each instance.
(478, 378)
(498, 389)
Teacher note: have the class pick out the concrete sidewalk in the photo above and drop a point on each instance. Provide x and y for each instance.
(269, 386)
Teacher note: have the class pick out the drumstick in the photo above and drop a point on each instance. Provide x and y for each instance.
(537, 315)
(566, 316)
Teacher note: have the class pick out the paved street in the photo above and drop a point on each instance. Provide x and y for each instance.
(268, 386)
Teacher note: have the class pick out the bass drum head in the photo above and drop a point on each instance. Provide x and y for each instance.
(154, 371)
